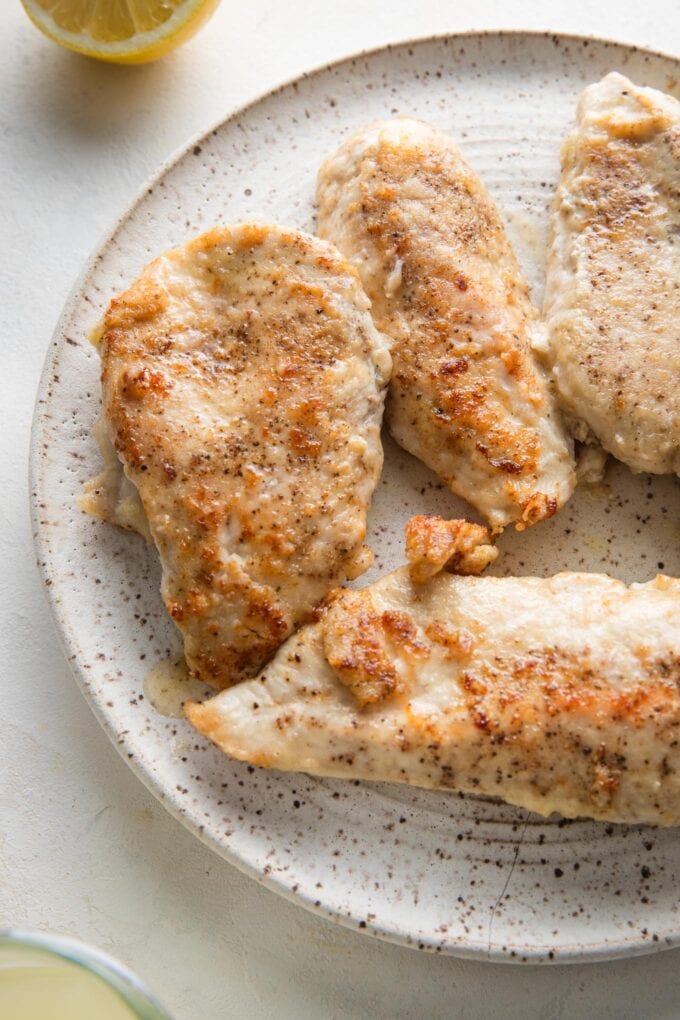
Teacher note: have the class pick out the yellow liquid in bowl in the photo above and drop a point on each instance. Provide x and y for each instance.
(38, 986)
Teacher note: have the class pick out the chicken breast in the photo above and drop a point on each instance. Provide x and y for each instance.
(243, 381)
(466, 396)
(554, 694)
(612, 299)
(110, 496)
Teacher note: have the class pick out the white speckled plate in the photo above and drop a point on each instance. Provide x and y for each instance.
(437, 871)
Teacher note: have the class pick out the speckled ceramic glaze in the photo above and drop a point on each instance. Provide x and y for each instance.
(437, 871)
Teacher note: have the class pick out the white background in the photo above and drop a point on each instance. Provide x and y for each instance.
(84, 849)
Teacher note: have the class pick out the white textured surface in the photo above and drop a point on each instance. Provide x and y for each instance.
(84, 848)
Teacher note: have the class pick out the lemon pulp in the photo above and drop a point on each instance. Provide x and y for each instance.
(123, 31)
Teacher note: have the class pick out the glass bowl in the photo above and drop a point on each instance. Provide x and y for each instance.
(51, 976)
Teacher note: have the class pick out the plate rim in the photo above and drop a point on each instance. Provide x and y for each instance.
(571, 953)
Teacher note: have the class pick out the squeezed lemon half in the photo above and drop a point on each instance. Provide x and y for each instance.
(120, 31)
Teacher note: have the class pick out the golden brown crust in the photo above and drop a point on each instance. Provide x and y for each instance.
(355, 649)
(556, 694)
(434, 544)
(360, 643)
(242, 381)
(466, 395)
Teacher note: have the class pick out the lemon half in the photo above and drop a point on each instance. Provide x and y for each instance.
(121, 31)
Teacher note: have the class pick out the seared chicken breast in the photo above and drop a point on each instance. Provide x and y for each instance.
(242, 381)
(554, 694)
(466, 397)
(433, 544)
(612, 299)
